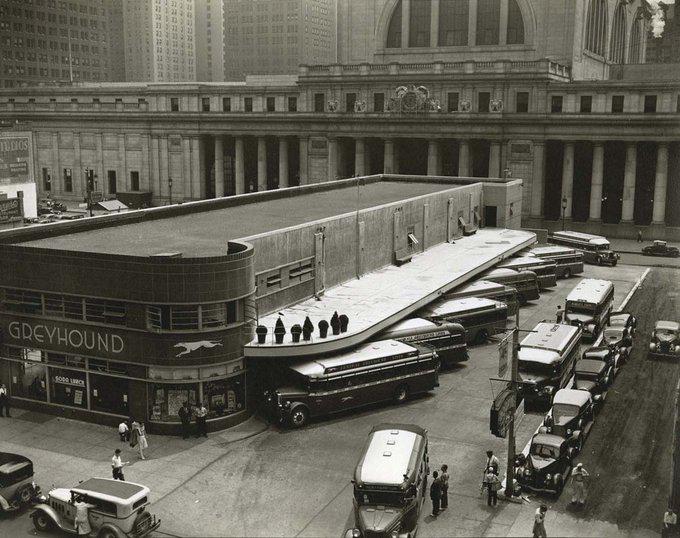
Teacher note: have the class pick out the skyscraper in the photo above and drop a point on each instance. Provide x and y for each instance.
(275, 36)
(209, 28)
(666, 49)
(159, 40)
(50, 41)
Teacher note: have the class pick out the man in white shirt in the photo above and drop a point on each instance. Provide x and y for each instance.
(124, 432)
(201, 425)
(4, 400)
(117, 465)
(491, 461)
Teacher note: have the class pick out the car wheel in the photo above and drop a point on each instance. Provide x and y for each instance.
(42, 522)
(567, 273)
(107, 533)
(401, 394)
(299, 416)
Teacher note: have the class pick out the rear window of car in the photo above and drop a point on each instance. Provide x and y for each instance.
(140, 502)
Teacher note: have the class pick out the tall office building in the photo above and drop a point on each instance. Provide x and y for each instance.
(159, 40)
(209, 28)
(275, 36)
(666, 49)
(50, 41)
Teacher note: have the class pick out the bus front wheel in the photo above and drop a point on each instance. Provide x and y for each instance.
(401, 394)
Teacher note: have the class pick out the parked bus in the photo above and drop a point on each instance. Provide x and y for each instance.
(589, 305)
(525, 282)
(569, 261)
(547, 357)
(545, 270)
(390, 482)
(596, 249)
(480, 317)
(447, 339)
(375, 372)
(490, 290)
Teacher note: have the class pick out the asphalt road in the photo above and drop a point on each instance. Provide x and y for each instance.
(628, 452)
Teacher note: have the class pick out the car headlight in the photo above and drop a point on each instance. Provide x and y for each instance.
(527, 472)
(568, 432)
(677, 348)
(286, 405)
(652, 346)
(356, 533)
(590, 327)
(394, 534)
(548, 477)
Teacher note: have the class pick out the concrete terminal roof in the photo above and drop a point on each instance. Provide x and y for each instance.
(205, 233)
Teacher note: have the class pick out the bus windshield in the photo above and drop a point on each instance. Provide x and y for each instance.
(539, 368)
(372, 497)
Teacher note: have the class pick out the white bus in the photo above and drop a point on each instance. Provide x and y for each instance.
(525, 282)
(545, 270)
(569, 261)
(589, 305)
(596, 249)
(480, 317)
(547, 357)
(447, 339)
(490, 290)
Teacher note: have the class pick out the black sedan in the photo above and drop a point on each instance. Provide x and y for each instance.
(661, 248)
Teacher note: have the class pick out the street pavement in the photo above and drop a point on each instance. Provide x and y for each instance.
(259, 480)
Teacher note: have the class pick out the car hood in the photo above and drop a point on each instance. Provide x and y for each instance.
(378, 518)
(585, 384)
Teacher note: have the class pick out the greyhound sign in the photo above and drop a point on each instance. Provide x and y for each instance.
(190, 347)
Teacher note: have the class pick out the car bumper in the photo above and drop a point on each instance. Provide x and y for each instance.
(156, 523)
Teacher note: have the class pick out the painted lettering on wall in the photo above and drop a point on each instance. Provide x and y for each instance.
(65, 337)
(69, 380)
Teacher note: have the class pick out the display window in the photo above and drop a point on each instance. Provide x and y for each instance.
(29, 378)
(109, 394)
(167, 398)
(68, 387)
(224, 396)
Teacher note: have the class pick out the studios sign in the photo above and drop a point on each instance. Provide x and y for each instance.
(78, 339)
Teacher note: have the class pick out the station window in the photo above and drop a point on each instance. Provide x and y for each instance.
(174, 104)
(271, 104)
(379, 102)
(556, 104)
(319, 102)
(46, 180)
(483, 100)
(617, 103)
(134, 180)
(586, 104)
(68, 180)
(650, 104)
(226, 104)
(28, 378)
(205, 104)
(292, 104)
(193, 317)
(248, 104)
(452, 101)
(522, 102)
(350, 101)
(677, 104)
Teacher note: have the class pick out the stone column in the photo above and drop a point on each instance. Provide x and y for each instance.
(219, 166)
(165, 167)
(660, 184)
(145, 172)
(538, 179)
(568, 177)
(405, 22)
(359, 157)
(389, 161)
(495, 159)
(596, 182)
(196, 178)
(332, 158)
(304, 158)
(464, 158)
(434, 24)
(239, 167)
(472, 23)
(79, 179)
(124, 183)
(503, 30)
(155, 168)
(283, 162)
(58, 180)
(186, 167)
(433, 158)
(629, 176)
(261, 164)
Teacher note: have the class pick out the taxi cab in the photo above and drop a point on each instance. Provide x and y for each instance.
(17, 489)
(571, 416)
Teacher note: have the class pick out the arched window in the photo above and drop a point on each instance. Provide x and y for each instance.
(394, 29)
(596, 27)
(617, 45)
(515, 24)
(488, 21)
(636, 36)
(419, 28)
(453, 23)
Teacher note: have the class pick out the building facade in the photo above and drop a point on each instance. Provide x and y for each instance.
(160, 40)
(269, 37)
(17, 182)
(209, 28)
(666, 49)
(49, 41)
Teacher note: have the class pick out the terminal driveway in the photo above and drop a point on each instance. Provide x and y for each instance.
(256, 480)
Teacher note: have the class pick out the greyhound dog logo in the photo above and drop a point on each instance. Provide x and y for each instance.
(190, 347)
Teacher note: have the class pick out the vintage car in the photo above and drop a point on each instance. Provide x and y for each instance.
(17, 489)
(47, 206)
(547, 465)
(623, 319)
(594, 376)
(118, 509)
(618, 338)
(661, 248)
(571, 416)
(665, 341)
(605, 354)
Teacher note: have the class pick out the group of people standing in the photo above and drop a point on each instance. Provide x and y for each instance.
(199, 413)
(132, 432)
(439, 490)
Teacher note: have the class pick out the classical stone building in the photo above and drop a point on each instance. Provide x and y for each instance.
(487, 88)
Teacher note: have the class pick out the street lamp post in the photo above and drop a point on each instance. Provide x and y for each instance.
(170, 189)
(564, 210)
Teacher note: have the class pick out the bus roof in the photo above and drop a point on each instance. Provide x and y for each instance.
(553, 250)
(580, 236)
(367, 352)
(448, 307)
(408, 324)
(550, 336)
(478, 286)
(500, 271)
(525, 261)
(390, 456)
(590, 290)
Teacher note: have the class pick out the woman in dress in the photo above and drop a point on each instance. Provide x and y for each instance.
(139, 433)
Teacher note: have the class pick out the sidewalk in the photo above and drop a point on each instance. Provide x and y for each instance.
(631, 246)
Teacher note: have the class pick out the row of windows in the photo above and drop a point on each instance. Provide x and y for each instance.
(617, 104)
(67, 181)
(270, 104)
(194, 317)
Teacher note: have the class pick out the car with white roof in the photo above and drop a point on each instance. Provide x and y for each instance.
(665, 341)
(571, 416)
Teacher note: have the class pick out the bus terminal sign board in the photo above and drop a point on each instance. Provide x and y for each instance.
(15, 159)
(10, 208)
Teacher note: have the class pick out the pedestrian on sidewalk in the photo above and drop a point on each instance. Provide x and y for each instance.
(117, 465)
(436, 493)
(4, 401)
(539, 522)
(560, 314)
(639, 236)
(185, 416)
(138, 438)
(201, 425)
(579, 476)
(670, 524)
(444, 477)
(491, 461)
(82, 519)
(492, 485)
(124, 432)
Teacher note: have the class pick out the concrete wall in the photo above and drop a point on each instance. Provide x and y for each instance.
(507, 198)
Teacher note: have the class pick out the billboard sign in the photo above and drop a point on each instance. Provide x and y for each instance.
(15, 159)
(10, 208)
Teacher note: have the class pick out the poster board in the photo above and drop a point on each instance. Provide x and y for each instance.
(176, 399)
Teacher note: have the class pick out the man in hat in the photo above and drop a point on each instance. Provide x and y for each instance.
(579, 476)
(491, 461)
